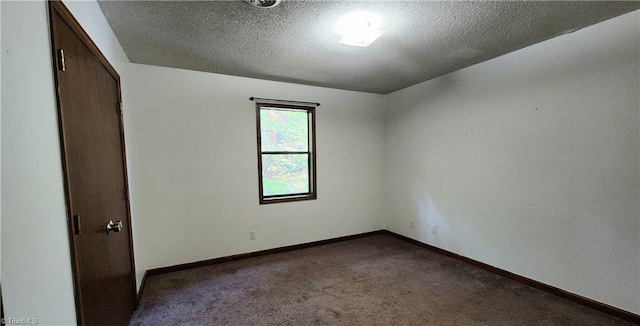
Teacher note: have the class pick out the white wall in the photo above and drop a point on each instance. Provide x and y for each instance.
(36, 269)
(194, 175)
(529, 162)
(0, 160)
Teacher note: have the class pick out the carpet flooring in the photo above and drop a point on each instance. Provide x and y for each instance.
(375, 280)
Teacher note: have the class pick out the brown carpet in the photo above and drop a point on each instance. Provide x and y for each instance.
(376, 280)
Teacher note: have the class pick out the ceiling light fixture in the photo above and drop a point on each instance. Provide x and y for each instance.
(359, 28)
(263, 3)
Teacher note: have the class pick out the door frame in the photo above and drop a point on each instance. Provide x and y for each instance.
(56, 7)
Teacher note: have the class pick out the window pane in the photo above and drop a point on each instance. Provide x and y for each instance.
(284, 130)
(285, 174)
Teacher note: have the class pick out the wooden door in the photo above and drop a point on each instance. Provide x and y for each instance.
(92, 138)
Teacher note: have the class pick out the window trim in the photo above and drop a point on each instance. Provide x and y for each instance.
(313, 194)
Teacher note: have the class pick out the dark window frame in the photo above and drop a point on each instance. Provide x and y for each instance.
(311, 151)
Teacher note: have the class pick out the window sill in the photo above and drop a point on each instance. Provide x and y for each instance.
(287, 199)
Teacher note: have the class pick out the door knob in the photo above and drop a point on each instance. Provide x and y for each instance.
(115, 227)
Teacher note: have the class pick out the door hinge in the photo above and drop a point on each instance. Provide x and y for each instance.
(61, 65)
(76, 224)
(120, 108)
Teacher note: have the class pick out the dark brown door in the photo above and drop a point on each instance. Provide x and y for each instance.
(95, 174)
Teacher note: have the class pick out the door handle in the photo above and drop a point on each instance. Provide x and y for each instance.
(114, 227)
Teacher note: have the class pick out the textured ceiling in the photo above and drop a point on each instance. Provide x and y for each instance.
(296, 42)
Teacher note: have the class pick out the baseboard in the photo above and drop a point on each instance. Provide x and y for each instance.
(602, 307)
(142, 285)
(214, 261)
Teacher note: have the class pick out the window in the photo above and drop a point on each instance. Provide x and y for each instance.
(286, 152)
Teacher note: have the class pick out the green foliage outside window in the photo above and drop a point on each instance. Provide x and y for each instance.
(285, 151)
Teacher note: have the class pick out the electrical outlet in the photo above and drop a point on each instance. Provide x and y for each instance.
(434, 229)
(413, 224)
(252, 235)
